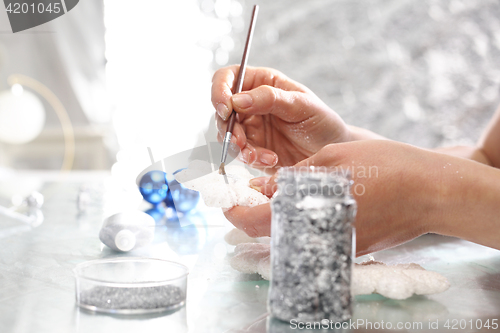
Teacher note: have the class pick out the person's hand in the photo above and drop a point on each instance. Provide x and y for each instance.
(392, 183)
(402, 192)
(280, 122)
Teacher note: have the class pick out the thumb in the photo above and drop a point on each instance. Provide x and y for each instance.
(291, 106)
(329, 156)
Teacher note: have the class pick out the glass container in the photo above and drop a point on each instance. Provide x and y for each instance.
(312, 245)
(130, 285)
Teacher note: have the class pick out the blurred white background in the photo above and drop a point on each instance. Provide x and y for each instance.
(135, 75)
(159, 72)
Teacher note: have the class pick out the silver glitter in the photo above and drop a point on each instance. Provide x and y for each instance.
(311, 245)
(140, 298)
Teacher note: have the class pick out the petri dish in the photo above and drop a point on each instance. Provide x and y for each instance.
(130, 285)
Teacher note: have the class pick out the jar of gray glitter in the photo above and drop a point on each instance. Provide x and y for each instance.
(312, 245)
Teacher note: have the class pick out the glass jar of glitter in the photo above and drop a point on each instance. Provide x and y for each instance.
(312, 245)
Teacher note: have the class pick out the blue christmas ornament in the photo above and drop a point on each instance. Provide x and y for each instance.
(153, 187)
(169, 201)
(181, 198)
(156, 213)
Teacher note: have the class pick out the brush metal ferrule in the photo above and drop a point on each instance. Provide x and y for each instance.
(225, 146)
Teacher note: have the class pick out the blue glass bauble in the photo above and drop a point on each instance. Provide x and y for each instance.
(153, 186)
(169, 201)
(156, 213)
(181, 198)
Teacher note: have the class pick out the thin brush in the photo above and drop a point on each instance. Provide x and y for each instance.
(237, 90)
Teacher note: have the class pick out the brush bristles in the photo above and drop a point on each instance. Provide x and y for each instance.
(222, 171)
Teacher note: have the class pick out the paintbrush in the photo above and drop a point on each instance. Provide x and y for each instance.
(237, 90)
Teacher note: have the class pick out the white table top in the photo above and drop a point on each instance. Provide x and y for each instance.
(37, 292)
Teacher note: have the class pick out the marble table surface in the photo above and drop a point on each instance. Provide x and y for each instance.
(37, 291)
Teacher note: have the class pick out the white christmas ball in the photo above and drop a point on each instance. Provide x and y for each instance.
(22, 116)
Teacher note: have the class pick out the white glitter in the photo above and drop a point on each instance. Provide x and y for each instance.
(145, 298)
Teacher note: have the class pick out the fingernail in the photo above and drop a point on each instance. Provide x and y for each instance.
(243, 101)
(268, 159)
(233, 150)
(222, 110)
(259, 181)
(245, 155)
(257, 188)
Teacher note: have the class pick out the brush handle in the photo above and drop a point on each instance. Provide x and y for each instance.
(241, 73)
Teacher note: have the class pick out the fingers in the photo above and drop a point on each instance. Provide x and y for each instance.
(269, 188)
(264, 158)
(223, 82)
(248, 154)
(238, 137)
(257, 157)
(254, 221)
(331, 156)
(291, 106)
(257, 183)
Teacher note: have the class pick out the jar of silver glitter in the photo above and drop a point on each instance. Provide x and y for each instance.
(312, 245)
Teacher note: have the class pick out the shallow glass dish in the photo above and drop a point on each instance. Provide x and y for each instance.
(130, 285)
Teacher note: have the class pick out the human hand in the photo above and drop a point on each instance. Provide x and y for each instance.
(280, 121)
(401, 191)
